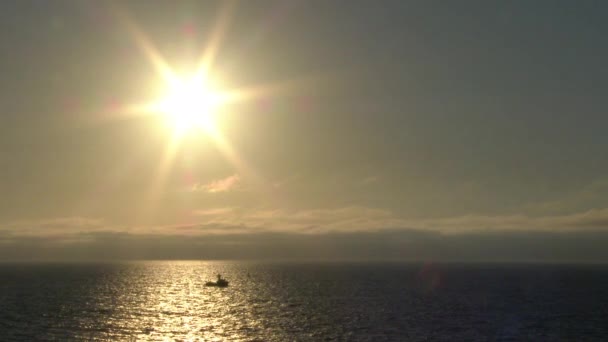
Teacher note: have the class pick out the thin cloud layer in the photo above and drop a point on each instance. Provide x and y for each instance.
(52, 227)
(220, 185)
(234, 220)
(341, 233)
(350, 219)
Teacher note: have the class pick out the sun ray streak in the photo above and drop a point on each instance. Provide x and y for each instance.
(161, 175)
(192, 101)
(233, 157)
(221, 26)
(146, 46)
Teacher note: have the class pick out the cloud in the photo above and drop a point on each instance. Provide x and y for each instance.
(51, 227)
(348, 232)
(213, 211)
(221, 185)
(302, 221)
(352, 219)
(595, 219)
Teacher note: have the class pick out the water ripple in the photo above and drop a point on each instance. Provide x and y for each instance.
(158, 301)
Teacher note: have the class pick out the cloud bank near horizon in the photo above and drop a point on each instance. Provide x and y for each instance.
(342, 233)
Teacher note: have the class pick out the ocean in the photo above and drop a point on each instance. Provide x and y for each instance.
(167, 300)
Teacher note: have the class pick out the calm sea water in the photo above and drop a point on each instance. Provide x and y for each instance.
(153, 301)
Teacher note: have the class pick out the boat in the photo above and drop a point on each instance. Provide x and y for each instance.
(219, 283)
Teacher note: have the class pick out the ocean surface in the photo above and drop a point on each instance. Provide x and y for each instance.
(159, 301)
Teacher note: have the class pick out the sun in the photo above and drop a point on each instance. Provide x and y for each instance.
(190, 103)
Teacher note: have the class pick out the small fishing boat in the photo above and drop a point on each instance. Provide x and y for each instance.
(219, 283)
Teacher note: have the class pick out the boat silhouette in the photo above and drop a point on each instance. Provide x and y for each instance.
(219, 283)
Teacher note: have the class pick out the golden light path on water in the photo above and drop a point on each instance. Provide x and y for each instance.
(167, 301)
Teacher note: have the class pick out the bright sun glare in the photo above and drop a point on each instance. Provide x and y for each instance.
(190, 103)
(194, 103)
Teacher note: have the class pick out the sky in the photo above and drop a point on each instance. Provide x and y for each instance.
(393, 130)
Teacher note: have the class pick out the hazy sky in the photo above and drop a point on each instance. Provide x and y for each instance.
(463, 130)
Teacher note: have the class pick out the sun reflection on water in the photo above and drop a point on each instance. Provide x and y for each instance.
(168, 301)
